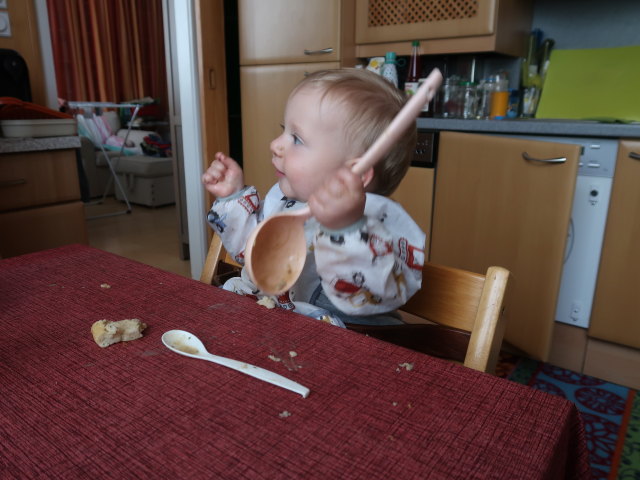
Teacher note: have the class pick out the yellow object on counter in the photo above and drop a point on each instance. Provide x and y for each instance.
(592, 84)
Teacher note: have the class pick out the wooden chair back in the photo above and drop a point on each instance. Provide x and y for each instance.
(218, 265)
(457, 314)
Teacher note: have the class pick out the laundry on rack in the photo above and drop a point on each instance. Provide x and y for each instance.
(104, 130)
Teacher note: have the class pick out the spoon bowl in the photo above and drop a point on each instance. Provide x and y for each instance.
(276, 249)
(276, 243)
(187, 344)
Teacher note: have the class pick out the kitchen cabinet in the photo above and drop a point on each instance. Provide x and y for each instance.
(40, 203)
(415, 194)
(281, 41)
(465, 26)
(264, 94)
(494, 207)
(289, 31)
(616, 304)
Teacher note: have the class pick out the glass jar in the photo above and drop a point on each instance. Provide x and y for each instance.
(469, 99)
(428, 109)
(485, 89)
(451, 98)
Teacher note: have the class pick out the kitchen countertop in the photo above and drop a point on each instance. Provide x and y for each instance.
(28, 144)
(565, 128)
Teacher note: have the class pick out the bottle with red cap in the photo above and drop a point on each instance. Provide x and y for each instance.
(414, 71)
(413, 79)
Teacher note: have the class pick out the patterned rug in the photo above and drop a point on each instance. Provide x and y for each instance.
(611, 412)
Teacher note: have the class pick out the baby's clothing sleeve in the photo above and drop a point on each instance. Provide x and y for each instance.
(375, 265)
(234, 218)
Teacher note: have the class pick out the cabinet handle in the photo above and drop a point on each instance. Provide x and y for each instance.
(324, 51)
(529, 158)
(634, 155)
(12, 183)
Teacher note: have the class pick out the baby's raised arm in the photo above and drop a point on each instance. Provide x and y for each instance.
(224, 176)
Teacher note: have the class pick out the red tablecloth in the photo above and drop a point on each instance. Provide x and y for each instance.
(70, 409)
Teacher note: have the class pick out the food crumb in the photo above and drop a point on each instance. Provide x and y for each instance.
(293, 354)
(395, 404)
(284, 414)
(274, 358)
(267, 302)
(407, 366)
(105, 285)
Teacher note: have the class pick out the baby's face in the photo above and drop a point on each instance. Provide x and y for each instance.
(312, 145)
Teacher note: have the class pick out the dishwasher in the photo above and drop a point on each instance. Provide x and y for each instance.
(586, 227)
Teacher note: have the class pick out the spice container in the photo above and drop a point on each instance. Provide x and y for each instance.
(514, 103)
(389, 70)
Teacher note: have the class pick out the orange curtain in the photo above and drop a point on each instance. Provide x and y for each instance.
(108, 50)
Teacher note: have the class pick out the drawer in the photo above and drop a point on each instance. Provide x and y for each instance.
(35, 229)
(38, 178)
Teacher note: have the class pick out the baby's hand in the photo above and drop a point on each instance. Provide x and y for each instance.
(224, 176)
(339, 202)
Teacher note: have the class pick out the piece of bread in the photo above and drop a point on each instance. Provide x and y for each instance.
(107, 333)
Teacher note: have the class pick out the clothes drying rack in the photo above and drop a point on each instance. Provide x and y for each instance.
(112, 162)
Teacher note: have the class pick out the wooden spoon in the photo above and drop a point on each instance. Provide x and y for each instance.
(276, 249)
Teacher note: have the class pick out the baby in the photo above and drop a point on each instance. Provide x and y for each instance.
(365, 253)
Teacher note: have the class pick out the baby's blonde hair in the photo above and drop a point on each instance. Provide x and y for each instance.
(370, 104)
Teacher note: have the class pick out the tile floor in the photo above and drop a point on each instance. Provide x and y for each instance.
(148, 235)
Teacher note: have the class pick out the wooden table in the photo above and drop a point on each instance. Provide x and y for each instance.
(70, 409)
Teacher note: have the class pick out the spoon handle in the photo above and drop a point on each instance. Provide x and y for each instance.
(400, 123)
(257, 372)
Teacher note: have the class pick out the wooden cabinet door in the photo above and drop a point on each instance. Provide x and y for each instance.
(30, 179)
(264, 93)
(462, 26)
(415, 194)
(493, 207)
(387, 21)
(288, 31)
(616, 304)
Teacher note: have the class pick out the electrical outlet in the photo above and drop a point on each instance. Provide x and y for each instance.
(5, 25)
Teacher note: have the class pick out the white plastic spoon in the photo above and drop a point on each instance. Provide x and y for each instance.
(276, 249)
(187, 344)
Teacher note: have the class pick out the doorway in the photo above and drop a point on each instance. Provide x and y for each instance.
(127, 235)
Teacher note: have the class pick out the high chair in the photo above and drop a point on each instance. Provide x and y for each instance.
(456, 315)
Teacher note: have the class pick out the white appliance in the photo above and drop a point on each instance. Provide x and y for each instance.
(586, 228)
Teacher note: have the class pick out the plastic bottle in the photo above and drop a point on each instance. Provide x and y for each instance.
(389, 70)
(500, 98)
